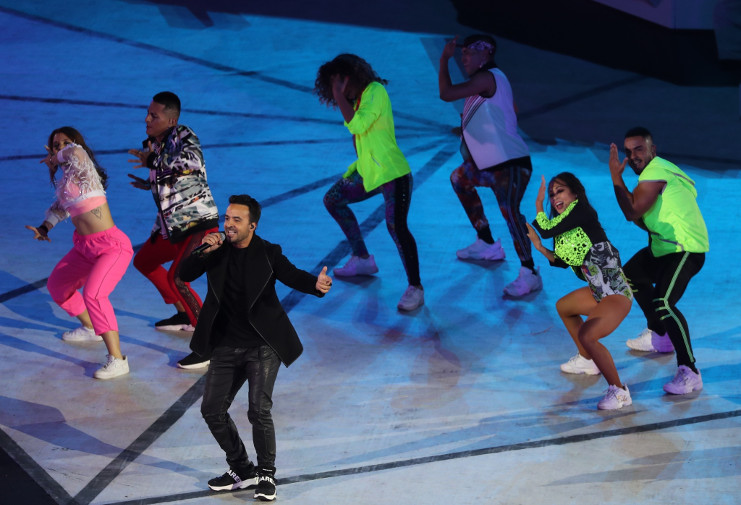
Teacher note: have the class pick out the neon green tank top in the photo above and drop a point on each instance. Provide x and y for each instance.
(674, 221)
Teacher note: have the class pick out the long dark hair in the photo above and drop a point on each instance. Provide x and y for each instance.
(345, 65)
(76, 137)
(574, 184)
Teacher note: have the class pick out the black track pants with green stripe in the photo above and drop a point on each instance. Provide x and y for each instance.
(658, 284)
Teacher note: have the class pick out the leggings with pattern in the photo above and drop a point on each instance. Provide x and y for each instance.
(397, 195)
(509, 185)
(658, 283)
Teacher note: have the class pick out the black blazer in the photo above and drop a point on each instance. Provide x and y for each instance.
(265, 264)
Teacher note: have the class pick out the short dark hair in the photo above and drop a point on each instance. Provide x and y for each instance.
(170, 100)
(639, 131)
(252, 204)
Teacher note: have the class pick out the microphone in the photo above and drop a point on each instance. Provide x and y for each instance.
(198, 251)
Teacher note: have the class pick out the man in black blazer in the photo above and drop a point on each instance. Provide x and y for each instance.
(247, 332)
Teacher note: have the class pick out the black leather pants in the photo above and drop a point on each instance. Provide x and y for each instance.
(229, 369)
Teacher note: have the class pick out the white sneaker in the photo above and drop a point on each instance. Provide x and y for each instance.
(526, 282)
(615, 398)
(81, 334)
(357, 266)
(650, 341)
(113, 368)
(685, 381)
(578, 365)
(480, 250)
(412, 298)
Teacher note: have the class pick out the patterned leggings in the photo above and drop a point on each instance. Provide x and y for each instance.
(509, 185)
(398, 195)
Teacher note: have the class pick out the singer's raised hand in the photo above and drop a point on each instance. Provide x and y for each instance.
(323, 281)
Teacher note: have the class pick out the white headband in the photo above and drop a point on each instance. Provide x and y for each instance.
(480, 45)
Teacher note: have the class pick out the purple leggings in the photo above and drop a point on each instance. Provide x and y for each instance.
(97, 262)
(397, 195)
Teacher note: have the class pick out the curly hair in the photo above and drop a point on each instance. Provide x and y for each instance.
(345, 65)
(76, 137)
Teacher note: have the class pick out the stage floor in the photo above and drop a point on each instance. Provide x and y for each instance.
(461, 401)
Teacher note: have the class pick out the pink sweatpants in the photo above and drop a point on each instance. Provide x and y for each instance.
(97, 262)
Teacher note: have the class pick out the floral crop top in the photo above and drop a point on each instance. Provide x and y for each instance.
(79, 190)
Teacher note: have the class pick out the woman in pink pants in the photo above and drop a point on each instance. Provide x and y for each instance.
(101, 252)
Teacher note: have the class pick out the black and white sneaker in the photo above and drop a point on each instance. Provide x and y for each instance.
(231, 481)
(193, 361)
(265, 490)
(178, 322)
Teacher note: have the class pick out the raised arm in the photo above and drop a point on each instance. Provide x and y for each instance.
(373, 102)
(481, 83)
(80, 170)
(185, 159)
(339, 85)
(633, 204)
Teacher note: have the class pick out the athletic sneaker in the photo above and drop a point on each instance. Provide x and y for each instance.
(231, 480)
(578, 365)
(650, 341)
(357, 266)
(526, 282)
(177, 322)
(685, 381)
(81, 334)
(265, 490)
(412, 298)
(193, 361)
(615, 398)
(480, 250)
(113, 368)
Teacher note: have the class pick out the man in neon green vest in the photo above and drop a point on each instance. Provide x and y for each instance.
(665, 204)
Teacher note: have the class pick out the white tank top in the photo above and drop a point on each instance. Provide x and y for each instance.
(490, 126)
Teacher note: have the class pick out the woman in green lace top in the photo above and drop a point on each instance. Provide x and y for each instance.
(581, 243)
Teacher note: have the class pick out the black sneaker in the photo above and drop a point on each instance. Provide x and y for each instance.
(265, 490)
(177, 322)
(231, 481)
(193, 361)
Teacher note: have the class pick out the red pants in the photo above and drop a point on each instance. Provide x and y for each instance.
(153, 255)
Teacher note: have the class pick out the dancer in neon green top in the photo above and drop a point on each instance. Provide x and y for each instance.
(665, 204)
(581, 243)
(350, 83)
